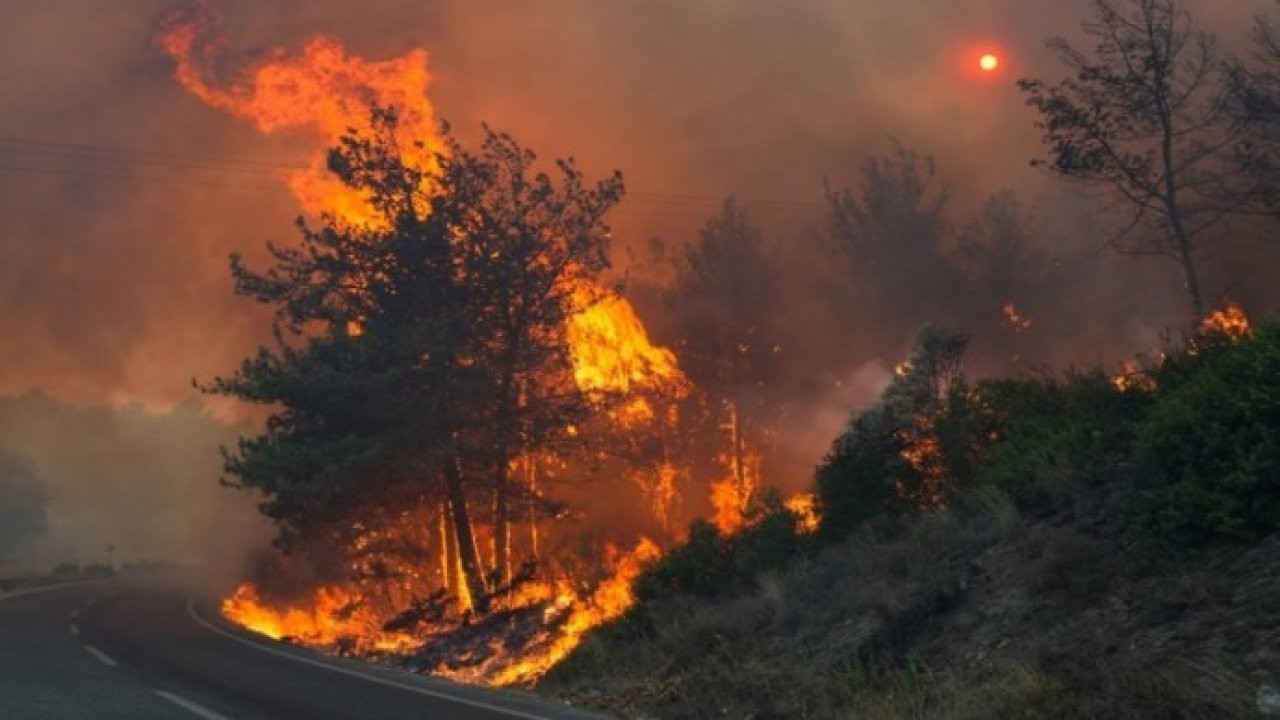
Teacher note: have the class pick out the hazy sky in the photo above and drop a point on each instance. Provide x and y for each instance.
(113, 278)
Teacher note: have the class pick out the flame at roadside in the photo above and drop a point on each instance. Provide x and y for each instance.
(334, 616)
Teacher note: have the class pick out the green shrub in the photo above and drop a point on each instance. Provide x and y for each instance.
(1210, 449)
(855, 481)
(866, 474)
(1052, 437)
(709, 563)
(701, 566)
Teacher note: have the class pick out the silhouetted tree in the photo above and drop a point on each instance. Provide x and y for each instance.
(532, 253)
(997, 248)
(1143, 116)
(891, 229)
(1255, 85)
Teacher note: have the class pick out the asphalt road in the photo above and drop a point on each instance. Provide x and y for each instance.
(150, 650)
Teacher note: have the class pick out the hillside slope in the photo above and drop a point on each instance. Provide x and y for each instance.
(1112, 553)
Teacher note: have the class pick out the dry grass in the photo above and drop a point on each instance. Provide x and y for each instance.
(899, 623)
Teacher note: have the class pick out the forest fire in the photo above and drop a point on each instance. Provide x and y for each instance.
(416, 578)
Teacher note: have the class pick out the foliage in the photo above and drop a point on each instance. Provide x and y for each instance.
(1210, 448)
(1050, 436)
(890, 230)
(709, 563)
(722, 309)
(1255, 96)
(1190, 448)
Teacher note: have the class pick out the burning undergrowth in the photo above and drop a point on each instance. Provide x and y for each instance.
(473, 438)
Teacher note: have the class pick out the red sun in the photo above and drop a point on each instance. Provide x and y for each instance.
(989, 62)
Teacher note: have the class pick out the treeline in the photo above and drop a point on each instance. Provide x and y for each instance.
(1185, 140)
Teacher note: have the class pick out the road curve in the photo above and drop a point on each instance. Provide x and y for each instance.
(149, 650)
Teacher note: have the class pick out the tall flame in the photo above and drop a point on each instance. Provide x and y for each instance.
(611, 348)
(322, 90)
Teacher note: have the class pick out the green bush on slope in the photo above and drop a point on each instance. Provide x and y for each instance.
(1210, 448)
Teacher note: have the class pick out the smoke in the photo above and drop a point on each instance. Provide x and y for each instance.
(121, 195)
(143, 483)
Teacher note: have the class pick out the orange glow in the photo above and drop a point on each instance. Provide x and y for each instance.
(1016, 321)
(989, 62)
(325, 92)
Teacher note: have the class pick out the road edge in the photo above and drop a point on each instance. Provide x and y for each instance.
(437, 694)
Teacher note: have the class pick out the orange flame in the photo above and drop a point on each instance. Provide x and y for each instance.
(611, 599)
(334, 617)
(611, 350)
(805, 507)
(322, 90)
(1230, 321)
(328, 93)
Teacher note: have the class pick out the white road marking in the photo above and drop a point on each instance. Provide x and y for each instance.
(73, 629)
(195, 708)
(75, 613)
(103, 657)
(191, 610)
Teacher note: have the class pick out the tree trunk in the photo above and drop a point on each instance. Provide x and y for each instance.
(1192, 280)
(1182, 242)
(508, 403)
(448, 551)
(473, 573)
(739, 459)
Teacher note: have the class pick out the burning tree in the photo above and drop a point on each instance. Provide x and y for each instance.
(424, 352)
(723, 301)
